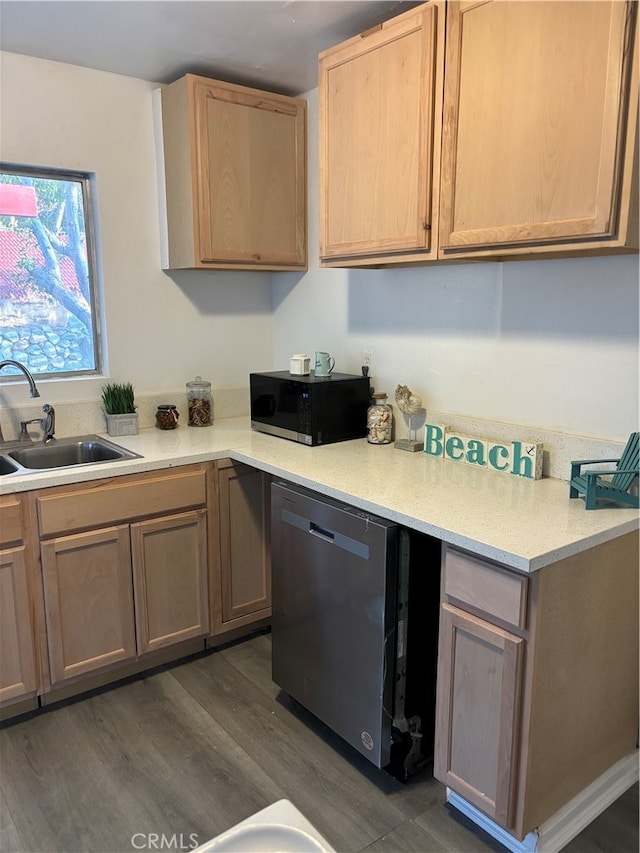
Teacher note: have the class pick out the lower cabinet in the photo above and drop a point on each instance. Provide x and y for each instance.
(136, 581)
(240, 554)
(88, 601)
(18, 670)
(537, 688)
(136, 570)
(170, 579)
(479, 683)
(17, 652)
(89, 593)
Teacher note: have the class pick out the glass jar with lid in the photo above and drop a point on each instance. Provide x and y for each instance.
(379, 420)
(167, 416)
(199, 402)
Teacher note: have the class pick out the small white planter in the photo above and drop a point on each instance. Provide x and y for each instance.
(122, 424)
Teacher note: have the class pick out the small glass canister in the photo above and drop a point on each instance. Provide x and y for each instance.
(167, 416)
(200, 402)
(379, 420)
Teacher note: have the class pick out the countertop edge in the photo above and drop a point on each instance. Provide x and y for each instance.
(234, 439)
(507, 558)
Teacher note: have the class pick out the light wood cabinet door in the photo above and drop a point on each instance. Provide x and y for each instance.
(235, 176)
(241, 590)
(88, 601)
(379, 103)
(170, 579)
(477, 712)
(17, 650)
(540, 128)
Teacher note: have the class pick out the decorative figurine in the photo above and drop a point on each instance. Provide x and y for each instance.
(409, 404)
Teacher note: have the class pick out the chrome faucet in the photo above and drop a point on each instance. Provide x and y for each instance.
(33, 388)
(48, 425)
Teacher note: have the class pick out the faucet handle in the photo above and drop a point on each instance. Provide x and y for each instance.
(24, 434)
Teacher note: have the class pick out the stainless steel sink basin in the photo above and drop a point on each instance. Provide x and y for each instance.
(63, 452)
(7, 467)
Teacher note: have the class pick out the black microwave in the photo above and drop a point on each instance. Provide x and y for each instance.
(309, 409)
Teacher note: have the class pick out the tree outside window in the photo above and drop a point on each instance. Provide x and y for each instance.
(48, 305)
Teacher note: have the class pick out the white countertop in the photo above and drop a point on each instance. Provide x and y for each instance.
(522, 523)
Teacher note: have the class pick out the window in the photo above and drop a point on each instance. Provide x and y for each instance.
(49, 311)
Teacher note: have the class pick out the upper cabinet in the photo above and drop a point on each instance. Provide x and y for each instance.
(235, 177)
(539, 131)
(525, 146)
(380, 101)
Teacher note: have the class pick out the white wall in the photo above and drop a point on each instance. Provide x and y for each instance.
(162, 328)
(550, 344)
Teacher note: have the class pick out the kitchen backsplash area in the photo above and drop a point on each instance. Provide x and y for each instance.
(80, 417)
(559, 448)
(83, 417)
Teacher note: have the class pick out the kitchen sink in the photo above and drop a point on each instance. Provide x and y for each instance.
(7, 467)
(62, 453)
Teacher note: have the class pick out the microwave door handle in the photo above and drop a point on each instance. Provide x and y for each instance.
(321, 533)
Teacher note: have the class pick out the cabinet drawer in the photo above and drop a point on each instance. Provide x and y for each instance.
(103, 504)
(10, 520)
(484, 587)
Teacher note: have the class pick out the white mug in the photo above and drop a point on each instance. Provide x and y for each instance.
(324, 364)
(299, 364)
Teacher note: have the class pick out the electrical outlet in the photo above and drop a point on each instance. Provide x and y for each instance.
(367, 358)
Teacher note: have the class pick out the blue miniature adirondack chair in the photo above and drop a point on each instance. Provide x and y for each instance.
(612, 485)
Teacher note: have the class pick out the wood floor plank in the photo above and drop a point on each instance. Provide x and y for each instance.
(409, 837)
(253, 660)
(336, 796)
(187, 754)
(199, 747)
(147, 759)
(9, 836)
(455, 832)
(53, 789)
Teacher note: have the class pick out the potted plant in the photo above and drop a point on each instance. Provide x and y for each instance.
(119, 407)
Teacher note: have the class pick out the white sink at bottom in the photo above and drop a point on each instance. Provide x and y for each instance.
(279, 828)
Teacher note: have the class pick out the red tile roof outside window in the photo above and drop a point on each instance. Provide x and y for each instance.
(17, 200)
(15, 281)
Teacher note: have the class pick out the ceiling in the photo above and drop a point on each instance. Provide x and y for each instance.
(262, 43)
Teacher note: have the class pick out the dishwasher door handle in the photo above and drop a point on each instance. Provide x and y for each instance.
(321, 533)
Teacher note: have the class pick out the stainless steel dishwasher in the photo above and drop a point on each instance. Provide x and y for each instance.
(355, 623)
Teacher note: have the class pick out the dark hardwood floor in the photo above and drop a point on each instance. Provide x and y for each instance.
(191, 750)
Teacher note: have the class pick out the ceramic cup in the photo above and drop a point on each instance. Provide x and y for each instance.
(324, 364)
(299, 364)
